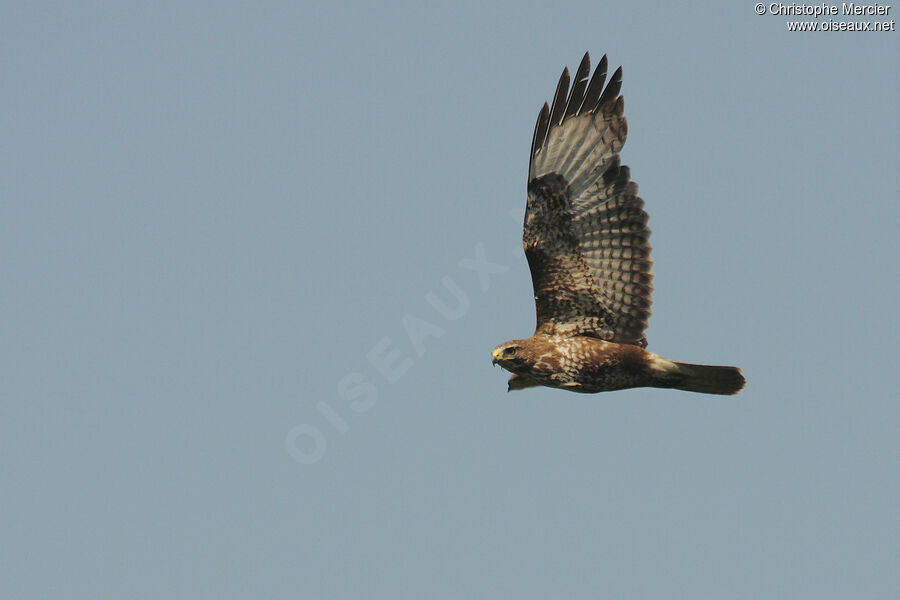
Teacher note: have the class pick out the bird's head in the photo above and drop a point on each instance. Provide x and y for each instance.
(512, 356)
(515, 356)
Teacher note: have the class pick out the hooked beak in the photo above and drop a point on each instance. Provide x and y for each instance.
(495, 357)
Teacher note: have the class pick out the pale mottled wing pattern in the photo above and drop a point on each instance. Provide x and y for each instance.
(585, 234)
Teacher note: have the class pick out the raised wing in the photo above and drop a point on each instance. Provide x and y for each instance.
(585, 234)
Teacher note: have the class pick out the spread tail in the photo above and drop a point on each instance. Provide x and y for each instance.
(705, 379)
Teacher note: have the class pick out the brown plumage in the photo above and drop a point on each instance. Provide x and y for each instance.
(587, 244)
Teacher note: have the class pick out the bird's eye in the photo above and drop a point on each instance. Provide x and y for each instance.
(511, 351)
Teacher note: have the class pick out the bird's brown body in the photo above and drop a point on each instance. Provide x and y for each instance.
(589, 365)
(587, 243)
(578, 364)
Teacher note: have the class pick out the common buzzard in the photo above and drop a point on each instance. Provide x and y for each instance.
(587, 244)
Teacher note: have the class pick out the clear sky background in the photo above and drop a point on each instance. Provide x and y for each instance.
(212, 214)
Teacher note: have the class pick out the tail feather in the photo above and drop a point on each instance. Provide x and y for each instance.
(706, 379)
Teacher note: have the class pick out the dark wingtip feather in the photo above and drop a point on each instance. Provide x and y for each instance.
(576, 96)
(612, 89)
(584, 96)
(540, 129)
(595, 88)
(559, 99)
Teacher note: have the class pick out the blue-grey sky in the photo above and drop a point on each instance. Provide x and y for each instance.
(214, 215)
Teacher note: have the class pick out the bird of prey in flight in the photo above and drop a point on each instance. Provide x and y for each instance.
(587, 244)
